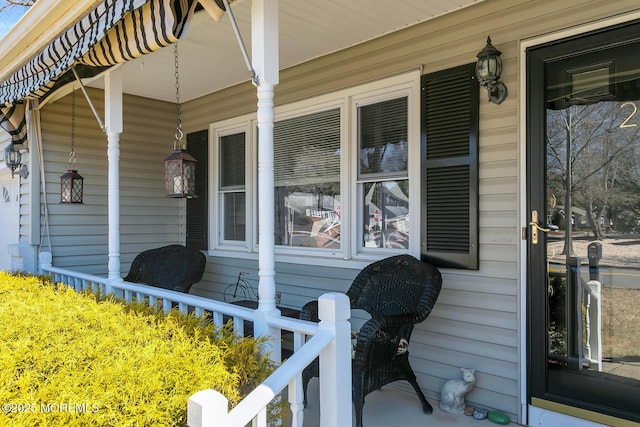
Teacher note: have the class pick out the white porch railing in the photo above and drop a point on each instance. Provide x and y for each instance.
(330, 340)
(593, 323)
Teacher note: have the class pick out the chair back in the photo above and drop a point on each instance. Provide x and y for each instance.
(396, 285)
(174, 267)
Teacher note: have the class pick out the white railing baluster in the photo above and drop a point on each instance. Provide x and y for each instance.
(238, 326)
(166, 305)
(218, 318)
(182, 307)
(296, 401)
(593, 320)
(261, 419)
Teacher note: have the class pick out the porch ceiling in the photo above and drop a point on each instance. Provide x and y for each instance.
(210, 58)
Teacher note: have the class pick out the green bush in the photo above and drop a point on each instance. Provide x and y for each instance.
(69, 358)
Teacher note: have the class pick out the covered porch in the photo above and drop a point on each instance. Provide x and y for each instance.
(298, 217)
(328, 397)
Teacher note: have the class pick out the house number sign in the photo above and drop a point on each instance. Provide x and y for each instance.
(634, 110)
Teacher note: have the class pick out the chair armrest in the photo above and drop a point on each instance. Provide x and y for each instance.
(383, 332)
(309, 311)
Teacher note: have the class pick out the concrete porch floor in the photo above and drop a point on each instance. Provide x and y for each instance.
(392, 407)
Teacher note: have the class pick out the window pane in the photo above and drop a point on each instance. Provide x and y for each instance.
(234, 216)
(307, 180)
(232, 160)
(386, 214)
(382, 133)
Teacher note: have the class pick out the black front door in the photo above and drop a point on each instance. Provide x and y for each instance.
(583, 182)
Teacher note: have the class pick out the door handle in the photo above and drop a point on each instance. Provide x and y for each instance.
(535, 227)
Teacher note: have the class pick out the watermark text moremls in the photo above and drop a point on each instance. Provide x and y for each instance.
(55, 407)
(69, 407)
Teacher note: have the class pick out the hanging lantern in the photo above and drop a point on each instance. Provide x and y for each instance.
(71, 183)
(180, 166)
(180, 177)
(71, 187)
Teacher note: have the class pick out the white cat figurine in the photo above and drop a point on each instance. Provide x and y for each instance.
(453, 392)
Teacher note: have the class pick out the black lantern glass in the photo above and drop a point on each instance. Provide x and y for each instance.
(488, 72)
(180, 177)
(13, 160)
(71, 184)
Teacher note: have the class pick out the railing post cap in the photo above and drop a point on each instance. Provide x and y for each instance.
(328, 301)
(205, 407)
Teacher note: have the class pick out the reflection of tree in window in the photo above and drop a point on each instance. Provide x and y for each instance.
(382, 172)
(604, 163)
(383, 137)
(307, 180)
(386, 222)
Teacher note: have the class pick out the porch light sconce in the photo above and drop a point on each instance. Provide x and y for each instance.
(71, 187)
(13, 159)
(489, 70)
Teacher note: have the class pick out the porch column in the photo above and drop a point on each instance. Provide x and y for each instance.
(264, 43)
(113, 128)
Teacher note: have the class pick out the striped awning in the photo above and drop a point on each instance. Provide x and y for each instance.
(115, 31)
(12, 119)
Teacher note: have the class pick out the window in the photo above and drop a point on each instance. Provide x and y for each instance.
(343, 163)
(449, 217)
(307, 180)
(382, 173)
(232, 186)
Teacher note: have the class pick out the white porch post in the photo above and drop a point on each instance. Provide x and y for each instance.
(113, 128)
(264, 43)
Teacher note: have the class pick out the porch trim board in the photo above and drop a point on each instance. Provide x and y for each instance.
(541, 412)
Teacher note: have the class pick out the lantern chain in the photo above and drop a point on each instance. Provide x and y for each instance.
(179, 134)
(72, 153)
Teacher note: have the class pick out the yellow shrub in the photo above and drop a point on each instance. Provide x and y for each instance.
(77, 359)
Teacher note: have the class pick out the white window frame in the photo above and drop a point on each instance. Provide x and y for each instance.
(411, 92)
(351, 253)
(216, 131)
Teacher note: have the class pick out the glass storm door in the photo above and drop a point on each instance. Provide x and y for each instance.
(583, 159)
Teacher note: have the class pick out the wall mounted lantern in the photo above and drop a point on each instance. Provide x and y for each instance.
(13, 159)
(489, 70)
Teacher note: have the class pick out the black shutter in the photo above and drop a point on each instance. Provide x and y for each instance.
(449, 124)
(197, 213)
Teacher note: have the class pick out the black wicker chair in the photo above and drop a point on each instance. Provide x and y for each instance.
(398, 292)
(173, 267)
